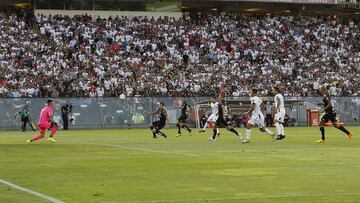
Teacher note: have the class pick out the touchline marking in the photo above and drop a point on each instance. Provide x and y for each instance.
(51, 199)
(146, 150)
(242, 198)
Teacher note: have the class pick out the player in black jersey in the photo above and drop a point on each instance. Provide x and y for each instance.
(180, 123)
(160, 124)
(330, 115)
(221, 122)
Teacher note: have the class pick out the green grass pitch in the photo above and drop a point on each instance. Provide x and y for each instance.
(126, 166)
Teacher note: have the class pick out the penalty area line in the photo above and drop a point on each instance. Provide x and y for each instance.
(146, 150)
(38, 194)
(243, 198)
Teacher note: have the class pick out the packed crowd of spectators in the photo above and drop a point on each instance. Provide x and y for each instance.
(49, 56)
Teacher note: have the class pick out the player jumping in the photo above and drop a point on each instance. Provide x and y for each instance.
(257, 117)
(280, 113)
(330, 114)
(221, 121)
(46, 121)
(160, 124)
(180, 123)
(214, 114)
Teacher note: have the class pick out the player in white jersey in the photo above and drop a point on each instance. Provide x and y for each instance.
(257, 117)
(214, 114)
(280, 113)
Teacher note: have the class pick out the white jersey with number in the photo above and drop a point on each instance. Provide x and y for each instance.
(280, 112)
(214, 108)
(214, 112)
(257, 117)
(279, 102)
(256, 100)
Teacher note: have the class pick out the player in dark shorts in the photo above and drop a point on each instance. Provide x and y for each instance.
(160, 124)
(221, 122)
(330, 115)
(180, 123)
(25, 118)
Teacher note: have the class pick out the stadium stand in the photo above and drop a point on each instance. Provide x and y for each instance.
(58, 56)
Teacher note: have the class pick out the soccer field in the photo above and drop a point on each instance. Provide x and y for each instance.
(129, 166)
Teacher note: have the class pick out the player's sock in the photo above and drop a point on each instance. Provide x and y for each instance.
(32, 126)
(154, 132)
(344, 130)
(205, 126)
(179, 129)
(234, 131)
(278, 128)
(214, 134)
(282, 130)
(53, 130)
(161, 133)
(322, 130)
(248, 134)
(217, 130)
(187, 128)
(268, 132)
(37, 137)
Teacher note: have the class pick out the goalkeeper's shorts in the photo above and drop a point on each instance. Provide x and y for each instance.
(44, 126)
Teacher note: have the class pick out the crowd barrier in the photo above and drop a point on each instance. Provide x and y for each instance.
(98, 113)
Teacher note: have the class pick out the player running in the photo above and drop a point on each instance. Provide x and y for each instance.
(280, 113)
(220, 121)
(46, 121)
(214, 114)
(180, 123)
(160, 124)
(25, 118)
(330, 115)
(257, 117)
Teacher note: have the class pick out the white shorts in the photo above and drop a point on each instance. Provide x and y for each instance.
(257, 120)
(212, 118)
(280, 116)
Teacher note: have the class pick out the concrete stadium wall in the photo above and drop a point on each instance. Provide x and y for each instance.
(106, 14)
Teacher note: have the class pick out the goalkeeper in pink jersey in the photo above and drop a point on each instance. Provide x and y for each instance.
(46, 122)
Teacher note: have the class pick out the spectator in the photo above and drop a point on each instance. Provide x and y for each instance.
(46, 56)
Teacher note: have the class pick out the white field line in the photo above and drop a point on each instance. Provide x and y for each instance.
(51, 199)
(147, 150)
(243, 198)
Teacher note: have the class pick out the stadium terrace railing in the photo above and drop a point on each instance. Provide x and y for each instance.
(132, 112)
(107, 14)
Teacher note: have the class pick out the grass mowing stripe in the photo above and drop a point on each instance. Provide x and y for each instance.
(243, 198)
(146, 150)
(51, 199)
